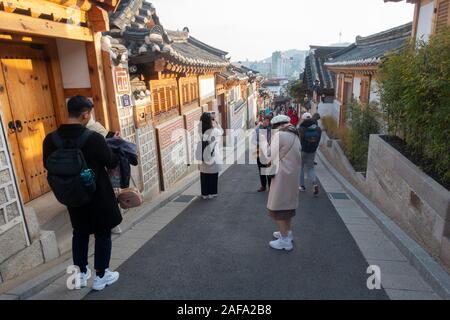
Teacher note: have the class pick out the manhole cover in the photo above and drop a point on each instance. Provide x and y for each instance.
(184, 199)
(339, 196)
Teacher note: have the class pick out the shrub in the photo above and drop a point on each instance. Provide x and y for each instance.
(364, 122)
(415, 95)
(330, 126)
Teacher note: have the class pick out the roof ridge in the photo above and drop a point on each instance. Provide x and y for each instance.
(385, 35)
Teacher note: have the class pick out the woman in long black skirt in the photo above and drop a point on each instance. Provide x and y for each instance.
(211, 156)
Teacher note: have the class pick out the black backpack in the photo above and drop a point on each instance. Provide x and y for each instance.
(311, 140)
(66, 168)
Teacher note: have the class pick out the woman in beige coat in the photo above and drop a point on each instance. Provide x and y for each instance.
(283, 196)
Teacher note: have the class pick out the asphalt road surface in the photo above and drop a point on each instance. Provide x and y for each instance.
(219, 249)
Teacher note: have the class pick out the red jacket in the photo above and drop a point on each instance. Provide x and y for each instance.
(294, 119)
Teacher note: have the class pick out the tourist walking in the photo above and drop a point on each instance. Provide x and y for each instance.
(283, 196)
(210, 157)
(262, 137)
(310, 135)
(87, 193)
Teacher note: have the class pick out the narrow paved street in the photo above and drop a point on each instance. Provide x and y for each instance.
(218, 249)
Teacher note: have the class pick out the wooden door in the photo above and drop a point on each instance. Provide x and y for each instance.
(31, 113)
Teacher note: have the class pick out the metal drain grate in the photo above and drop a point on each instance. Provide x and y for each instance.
(339, 196)
(184, 199)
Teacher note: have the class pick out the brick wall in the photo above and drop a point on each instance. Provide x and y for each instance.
(191, 120)
(172, 152)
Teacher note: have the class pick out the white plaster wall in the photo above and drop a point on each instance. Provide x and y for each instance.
(424, 24)
(207, 88)
(356, 88)
(374, 94)
(330, 109)
(74, 65)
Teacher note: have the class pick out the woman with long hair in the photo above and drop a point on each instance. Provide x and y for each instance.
(211, 159)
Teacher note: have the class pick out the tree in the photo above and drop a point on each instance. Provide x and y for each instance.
(297, 90)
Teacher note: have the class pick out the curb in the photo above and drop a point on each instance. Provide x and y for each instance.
(427, 267)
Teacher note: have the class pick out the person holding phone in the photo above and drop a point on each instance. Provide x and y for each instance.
(211, 159)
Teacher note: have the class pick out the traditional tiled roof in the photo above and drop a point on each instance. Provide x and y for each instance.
(234, 72)
(315, 70)
(137, 26)
(369, 51)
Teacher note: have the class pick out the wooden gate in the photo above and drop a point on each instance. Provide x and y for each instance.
(28, 113)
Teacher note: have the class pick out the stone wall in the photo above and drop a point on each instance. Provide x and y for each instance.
(148, 160)
(408, 196)
(417, 203)
(16, 253)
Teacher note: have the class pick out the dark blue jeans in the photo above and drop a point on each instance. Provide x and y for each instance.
(80, 249)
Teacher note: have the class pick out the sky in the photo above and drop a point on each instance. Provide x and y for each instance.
(253, 29)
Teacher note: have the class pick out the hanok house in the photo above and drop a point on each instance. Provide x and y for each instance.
(430, 17)
(163, 81)
(320, 82)
(238, 91)
(49, 51)
(356, 67)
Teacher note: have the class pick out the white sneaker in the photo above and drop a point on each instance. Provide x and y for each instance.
(84, 277)
(205, 197)
(277, 235)
(108, 279)
(282, 244)
(116, 230)
(212, 196)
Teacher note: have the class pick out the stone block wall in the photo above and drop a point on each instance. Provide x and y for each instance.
(414, 201)
(407, 195)
(16, 253)
(148, 159)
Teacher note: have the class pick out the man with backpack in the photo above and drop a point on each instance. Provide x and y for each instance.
(76, 159)
(310, 135)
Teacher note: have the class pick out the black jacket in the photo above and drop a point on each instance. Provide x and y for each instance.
(103, 213)
(127, 154)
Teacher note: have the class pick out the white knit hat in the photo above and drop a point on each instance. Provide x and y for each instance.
(280, 119)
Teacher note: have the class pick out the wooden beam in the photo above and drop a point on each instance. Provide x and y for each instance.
(111, 92)
(99, 19)
(56, 83)
(68, 93)
(38, 8)
(12, 22)
(84, 5)
(98, 81)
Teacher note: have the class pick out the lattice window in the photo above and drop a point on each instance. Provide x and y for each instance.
(174, 97)
(170, 103)
(156, 103)
(162, 99)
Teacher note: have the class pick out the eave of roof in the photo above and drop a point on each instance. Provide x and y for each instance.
(137, 26)
(370, 50)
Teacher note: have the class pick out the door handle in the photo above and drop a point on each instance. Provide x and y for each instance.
(19, 126)
(12, 127)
